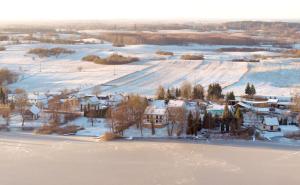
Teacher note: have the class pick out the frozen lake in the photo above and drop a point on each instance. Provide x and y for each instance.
(35, 160)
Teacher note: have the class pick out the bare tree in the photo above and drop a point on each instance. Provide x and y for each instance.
(128, 113)
(136, 106)
(160, 93)
(5, 112)
(21, 103)
(186, 90)
(296, 106)
(176, 117)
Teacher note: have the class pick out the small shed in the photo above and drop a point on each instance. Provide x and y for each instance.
(270, 124)
(33, 113)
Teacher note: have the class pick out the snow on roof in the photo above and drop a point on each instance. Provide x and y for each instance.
(215, 107)
(176, 103)
(157, 107)
(272, 101)
(271, 121)
(257, 109)
(116, 97)
(93, 100)
(34, 110)
(156, 111)
(254, 102)
(159, 103)
(192, 106)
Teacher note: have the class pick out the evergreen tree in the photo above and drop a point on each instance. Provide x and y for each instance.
(239, 118)
(196, 124)
(168, 95)
(189, 130)
(230, 97)
(177, 92)
(226, 113)
(160, 93)
(200, 124)
(198, 92)
(214, 91)
(248, 89)
(227, 117)
(252, 90)
(205, 120)
(211, 123)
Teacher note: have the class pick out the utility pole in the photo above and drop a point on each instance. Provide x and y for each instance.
(40, 66)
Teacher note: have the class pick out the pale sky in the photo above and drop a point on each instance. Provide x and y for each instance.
(19, 10)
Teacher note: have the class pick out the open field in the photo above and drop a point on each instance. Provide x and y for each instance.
(36, 160)
(279, 75)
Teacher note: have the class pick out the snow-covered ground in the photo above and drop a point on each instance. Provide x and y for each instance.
(271, 77)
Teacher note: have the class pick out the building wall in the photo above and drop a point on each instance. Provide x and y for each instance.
(158, 119)
(268, 128)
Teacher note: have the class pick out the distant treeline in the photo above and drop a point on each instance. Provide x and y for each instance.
(113, 59)
(4, 38)
(178, 38)
(234, 49)
(44, 52)
(52, 41)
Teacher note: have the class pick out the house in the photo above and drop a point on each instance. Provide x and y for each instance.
(33, 113)
(177, 104)
(216, 109)
(193, 107)
(270, 124)
(37, 98)
(156, 113)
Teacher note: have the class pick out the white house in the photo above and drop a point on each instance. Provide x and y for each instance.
(33, 113)
(269, 124)
(176, 104)
(156, 113)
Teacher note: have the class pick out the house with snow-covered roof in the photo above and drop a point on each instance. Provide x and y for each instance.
(32, 113)
(270, 124)
(155, 114)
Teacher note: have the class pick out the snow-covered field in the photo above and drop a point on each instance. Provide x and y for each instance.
(271, 77)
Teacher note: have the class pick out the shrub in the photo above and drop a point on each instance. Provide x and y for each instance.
(109, 136)
(192, 57)
(165, 53)
(46, 129)
(293, 135)
(69, 129)
(91, 58)
(7, 76)
(52, 128)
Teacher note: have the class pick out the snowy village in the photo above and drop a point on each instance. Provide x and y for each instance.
(185, 112)
(146, 101)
